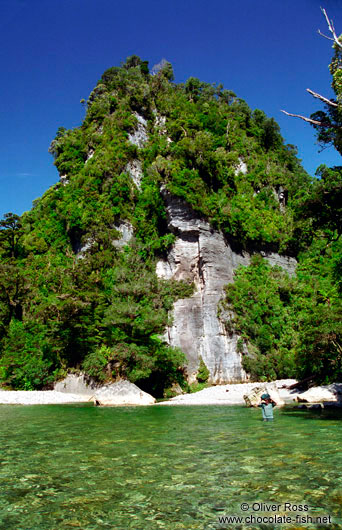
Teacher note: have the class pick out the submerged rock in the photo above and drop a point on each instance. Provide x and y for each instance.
(122, 393)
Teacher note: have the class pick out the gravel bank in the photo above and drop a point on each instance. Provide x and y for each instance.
(39, 397)
(229, 394)
(215, 395)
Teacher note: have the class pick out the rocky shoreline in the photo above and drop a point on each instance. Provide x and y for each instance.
(233, 394)
(76, 390)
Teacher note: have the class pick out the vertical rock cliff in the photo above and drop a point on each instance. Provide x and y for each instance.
(203, 256)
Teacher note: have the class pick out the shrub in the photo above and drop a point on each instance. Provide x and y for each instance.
(203, 372)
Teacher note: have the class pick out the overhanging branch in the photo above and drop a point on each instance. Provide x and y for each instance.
(309, 120)
(322, 98)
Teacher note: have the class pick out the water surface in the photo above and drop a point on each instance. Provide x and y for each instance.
(80, 467)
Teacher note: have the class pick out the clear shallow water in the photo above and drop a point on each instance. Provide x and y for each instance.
(79, 467)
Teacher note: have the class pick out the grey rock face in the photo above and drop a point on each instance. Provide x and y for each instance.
(202, 255)
(134, 169)
(241, 168)
(126, 230)
(126, 233)
(160, 124)
(81, 251)
(280, 195)
(64, 180)
(90, 155)
(139, 136)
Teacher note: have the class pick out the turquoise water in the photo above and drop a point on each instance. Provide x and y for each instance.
(80, 467)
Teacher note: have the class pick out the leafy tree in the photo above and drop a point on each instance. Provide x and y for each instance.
(203, 372)
(27, 360)
(261, 299)
(163, 69)
(324, 206)
(10, 234)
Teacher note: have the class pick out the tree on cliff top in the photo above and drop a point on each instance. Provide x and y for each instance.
(328, 122)
(324, 204)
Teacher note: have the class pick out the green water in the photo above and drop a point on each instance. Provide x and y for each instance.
(79, 467)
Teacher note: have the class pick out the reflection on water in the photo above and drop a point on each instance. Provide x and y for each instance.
(79, 467)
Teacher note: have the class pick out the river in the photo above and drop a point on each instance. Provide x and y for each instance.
(80, 467)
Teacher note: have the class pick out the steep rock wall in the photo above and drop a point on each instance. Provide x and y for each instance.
(202, 255)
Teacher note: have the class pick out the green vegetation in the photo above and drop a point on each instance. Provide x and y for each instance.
(203, 372)
(72, 296)
(290, 326)
(293, 326)
(202, 377)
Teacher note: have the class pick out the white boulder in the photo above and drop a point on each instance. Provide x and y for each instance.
(317, 394)
(76, 384)
(122, 393)
(253, 398)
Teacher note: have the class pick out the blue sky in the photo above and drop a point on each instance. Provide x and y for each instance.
(54, 51)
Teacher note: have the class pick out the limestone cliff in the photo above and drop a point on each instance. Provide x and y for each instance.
(203, 255)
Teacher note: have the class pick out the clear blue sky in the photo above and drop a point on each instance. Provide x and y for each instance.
(54, 51)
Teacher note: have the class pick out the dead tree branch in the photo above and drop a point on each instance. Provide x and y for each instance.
(322, 98)
(314, 122)
(331, 29)
(325, 100)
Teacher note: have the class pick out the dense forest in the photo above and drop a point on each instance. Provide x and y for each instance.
(74, 297)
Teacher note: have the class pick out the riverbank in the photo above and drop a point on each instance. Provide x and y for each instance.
(39, 397)
(231, 394)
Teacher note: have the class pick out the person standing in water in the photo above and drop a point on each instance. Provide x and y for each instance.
(267, 405)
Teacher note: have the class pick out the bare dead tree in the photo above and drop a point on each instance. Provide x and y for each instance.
(325, 100)
(158, 67)
(330, 23)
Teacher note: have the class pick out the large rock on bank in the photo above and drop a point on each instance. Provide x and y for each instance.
(322, 394)
(253, 398)
(122, 393)
(77, 384)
